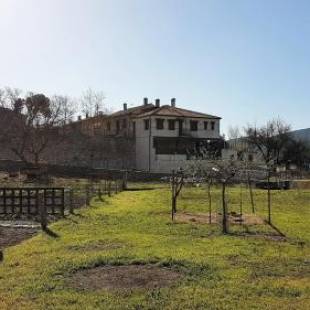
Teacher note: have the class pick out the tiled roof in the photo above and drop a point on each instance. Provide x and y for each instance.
(133, 111)
(168, 110)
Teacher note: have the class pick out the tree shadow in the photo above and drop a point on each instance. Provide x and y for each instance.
(276, 229)
(78, 215)
(72, 220)
(51, 233)
(136, 189)
(278, 236)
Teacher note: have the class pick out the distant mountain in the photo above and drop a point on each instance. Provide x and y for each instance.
(302, 134)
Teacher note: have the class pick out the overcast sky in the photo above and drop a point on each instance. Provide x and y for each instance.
(245, 61)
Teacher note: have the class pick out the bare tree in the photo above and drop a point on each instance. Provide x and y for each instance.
(177, 182)
(32, 124)
(224, 172)
(202, 171)
(221, 172)
(242, 148)
(269, 141)
(8, 97)
(233, 132)
(92, 102)
(67, 106)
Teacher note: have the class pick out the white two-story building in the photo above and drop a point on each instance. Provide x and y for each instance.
(167, 137)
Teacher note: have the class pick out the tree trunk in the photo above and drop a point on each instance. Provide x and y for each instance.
(210, 202)
(43, 214)
(251, 192)
(225, 229)
(268, 197)
(173, 190)
(241, 200)
(174, 207)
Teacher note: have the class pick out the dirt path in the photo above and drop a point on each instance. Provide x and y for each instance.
(10, 236)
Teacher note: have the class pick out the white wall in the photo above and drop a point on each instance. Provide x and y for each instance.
(142, 146)
(200, 133)
(165, 163)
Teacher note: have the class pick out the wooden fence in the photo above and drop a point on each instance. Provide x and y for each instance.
(43, 203)
(29, 200)
(54, 200)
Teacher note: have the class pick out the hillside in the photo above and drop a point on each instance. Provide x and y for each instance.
(302, 134)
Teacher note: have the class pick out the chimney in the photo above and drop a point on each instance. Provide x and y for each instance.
(157, 103)
(145, 101)
(79, 118)
(86, 115)
(173, 102)
(125, 106)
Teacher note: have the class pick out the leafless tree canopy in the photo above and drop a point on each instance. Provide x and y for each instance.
(92, 102)
(269, 140)
(68, 107)
(8, 97)
(234, 132)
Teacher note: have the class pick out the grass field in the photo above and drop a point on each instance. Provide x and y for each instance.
(248, 269)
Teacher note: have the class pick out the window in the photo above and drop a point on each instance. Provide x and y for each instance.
(124, 123)
(117, 126)
(134, 128)
(194, 125)
(205, 124)
(212, 125)
(146, 124)
(171, 124)
(159, 123)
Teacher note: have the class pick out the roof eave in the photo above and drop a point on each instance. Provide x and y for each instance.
(179, 116)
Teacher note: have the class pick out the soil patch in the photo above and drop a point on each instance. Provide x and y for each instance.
(200, 218)
(123, 278)
(10, 236)
(203, 218)
(301, 184)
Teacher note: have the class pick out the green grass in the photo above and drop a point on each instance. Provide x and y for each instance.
(234, 271)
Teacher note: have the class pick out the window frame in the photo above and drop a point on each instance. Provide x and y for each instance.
(193, 125)
(146, 124)
(160, 124)
(171, 124)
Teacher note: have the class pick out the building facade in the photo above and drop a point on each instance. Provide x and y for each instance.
(162, 137)
(168, 137)
(149, 137)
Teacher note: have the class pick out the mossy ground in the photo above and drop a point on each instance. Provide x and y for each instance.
(242, 270)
